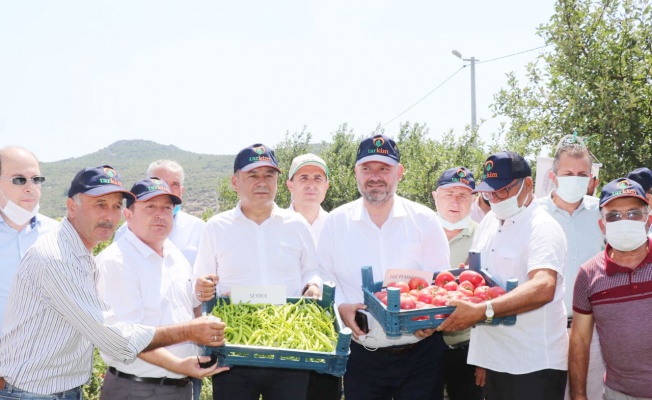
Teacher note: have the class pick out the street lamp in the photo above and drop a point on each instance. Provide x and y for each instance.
(472, 60)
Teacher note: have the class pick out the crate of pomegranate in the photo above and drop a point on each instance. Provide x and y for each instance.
(302, 334)
(407, 305)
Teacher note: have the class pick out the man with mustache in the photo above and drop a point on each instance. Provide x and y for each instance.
(385, 231)
(257, 243)
(146, 279)
(20, 223)
(54, 317)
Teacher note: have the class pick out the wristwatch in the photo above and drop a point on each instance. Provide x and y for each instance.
(489, 312)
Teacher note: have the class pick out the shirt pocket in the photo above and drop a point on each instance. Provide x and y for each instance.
(507, 264)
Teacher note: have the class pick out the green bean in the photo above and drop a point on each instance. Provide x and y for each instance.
(302, 325)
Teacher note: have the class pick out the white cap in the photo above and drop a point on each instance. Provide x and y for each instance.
(307, 159)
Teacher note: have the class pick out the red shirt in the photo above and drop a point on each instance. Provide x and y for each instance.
(620, 300)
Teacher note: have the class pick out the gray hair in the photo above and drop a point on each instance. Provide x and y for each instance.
(169, 165)
(572, 146)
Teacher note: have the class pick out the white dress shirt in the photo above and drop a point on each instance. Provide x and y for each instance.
(280, 251)
(144, 288)
(54, 318)
(317, 225)
(530, 240)
(13, 246)
(411, 238)
(186, 234)
(583, 236)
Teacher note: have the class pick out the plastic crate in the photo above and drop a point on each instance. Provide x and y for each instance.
(396, 321)
(333, 363)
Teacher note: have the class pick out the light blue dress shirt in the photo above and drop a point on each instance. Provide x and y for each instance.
(13, 246)
(583, 236)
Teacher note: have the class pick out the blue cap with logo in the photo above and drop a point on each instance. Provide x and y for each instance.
(146, 189)
(458, 176)
(255, 156)
(378, 148)
(98, 181)
(501, 169)
(643, 176)
(621, 187)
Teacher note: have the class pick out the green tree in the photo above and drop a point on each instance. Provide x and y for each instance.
(340, 156)
(595, 80)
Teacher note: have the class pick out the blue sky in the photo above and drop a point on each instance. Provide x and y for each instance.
(214, 76)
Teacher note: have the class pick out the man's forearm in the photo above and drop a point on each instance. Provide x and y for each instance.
(169, 335)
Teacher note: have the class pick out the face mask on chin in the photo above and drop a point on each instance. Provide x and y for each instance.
(17, 214)
(453, 226)
(572, 189)
(626, 235)
(509, 207)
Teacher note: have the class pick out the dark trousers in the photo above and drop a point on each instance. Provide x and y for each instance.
(459, 377)
(413, 375)
(547, 384)
(324, 387)
(248, 383)
(114, 388)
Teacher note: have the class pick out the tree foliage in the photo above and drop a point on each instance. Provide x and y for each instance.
(595, 80)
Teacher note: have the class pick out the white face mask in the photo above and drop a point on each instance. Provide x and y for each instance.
(508, 208)
(453, 226)
(626, 235)
(572, 189)
(17, 214)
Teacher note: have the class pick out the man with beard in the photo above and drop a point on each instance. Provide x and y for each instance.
(385, 231)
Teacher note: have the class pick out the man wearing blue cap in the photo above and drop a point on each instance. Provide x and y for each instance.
(385, 231)
(146, 279)
(453, 198)
(518, 239)
(643, 176)
(613, 291)
(257, 243)
(54, 317)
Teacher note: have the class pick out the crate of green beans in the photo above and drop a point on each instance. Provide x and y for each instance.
(304, 334)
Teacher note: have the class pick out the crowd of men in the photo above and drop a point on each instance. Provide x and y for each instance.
(584, 267)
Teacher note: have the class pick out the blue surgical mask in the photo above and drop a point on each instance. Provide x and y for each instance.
(176, 209)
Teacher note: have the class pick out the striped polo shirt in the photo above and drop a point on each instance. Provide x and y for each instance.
(620, 300)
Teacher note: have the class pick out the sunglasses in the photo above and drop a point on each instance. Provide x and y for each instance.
(632, 215)
(21, 180)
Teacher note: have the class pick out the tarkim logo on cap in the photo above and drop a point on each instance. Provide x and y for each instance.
(260, 150)
(461, 177)
(110, 172)
(488, 166)
(378, 142)
(625, 188)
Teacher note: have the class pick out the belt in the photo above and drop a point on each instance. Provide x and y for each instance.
(157, 381)
(459, 346)
(397, 349)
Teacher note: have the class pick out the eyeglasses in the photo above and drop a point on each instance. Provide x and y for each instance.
(632, 215)
(21, 180)
(501, 194)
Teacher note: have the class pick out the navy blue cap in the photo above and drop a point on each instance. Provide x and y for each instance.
(255, 156)
(643, 176)
(501, 169)
(378, 148)
(621, 187)
(146, 189)
(458, 176)
(98, 181)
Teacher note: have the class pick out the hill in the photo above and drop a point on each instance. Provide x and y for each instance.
(131, 159)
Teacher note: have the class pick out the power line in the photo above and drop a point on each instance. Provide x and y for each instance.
(512, 55)
(451, 76)
(421, 99)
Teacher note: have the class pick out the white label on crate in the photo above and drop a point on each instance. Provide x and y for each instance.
(404, 275)
(273, 294)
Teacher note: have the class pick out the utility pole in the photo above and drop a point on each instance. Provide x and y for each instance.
(471, 60)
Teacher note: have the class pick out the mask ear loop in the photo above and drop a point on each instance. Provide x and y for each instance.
(364, 338)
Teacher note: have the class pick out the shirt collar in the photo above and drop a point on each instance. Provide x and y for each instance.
(552, 206)
(397, 211)
(239, 214)
(612, 268)
(78, 246)
(141, 247)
